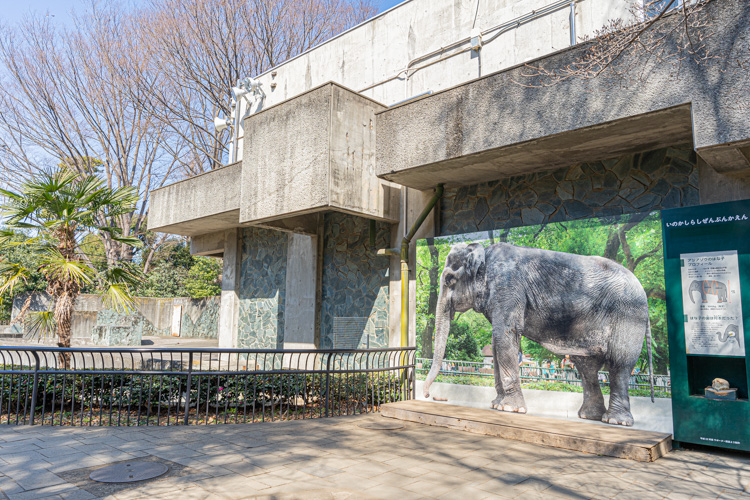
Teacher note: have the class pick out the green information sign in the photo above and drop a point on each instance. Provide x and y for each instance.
(707, 275)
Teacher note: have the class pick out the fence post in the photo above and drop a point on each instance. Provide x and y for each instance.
(414, 377)
(35, 388)
(189, 383)
(328, 382)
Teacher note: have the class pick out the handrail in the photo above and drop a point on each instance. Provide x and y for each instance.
(198, 349)
(174, 386)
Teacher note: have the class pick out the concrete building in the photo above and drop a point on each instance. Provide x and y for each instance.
(340, 156)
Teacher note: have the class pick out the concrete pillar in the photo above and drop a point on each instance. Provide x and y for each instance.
(229, 310)
(716, 188)
(299, 310)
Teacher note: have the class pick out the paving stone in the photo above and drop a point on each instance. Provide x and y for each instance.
(352, 481)
(64, 490)
(335, 457)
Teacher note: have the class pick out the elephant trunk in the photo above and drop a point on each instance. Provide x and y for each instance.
(443, 316)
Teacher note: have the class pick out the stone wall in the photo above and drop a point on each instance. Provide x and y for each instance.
(662, 178)
(200, 318)
(151, 316)
(262, 289)
(355, 284)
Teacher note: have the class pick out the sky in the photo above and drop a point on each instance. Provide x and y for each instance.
(12, 11)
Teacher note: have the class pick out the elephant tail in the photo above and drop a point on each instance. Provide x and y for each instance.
(650, 358)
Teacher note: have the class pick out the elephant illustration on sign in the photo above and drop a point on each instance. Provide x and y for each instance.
(590, 308)
(730, 333)
(708, 287)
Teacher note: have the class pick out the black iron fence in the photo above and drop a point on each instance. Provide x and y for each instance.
(121, 386)
(638, 382)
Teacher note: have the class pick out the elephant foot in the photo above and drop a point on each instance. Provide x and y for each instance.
(592, 412)
(622, 418)
(510, 404)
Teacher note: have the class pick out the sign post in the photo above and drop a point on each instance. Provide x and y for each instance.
(706, 270)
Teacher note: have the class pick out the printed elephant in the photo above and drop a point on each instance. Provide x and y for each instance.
(707, 287)
(590, 308)
(730, 333)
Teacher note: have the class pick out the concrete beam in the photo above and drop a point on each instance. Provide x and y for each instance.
(507, 123)
(728, 159)
(639, 133)
(314, 153)
(202, 204)
(210, 245)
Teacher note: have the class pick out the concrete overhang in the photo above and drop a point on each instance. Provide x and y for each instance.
(638, 133)
(202, 204)
(507, 123)
(310, 154)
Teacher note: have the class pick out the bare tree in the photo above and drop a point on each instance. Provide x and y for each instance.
(66, 102)
(666, 32)
(199, 49)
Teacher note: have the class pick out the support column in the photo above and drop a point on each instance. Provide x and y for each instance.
(301, 271)
(229, 311)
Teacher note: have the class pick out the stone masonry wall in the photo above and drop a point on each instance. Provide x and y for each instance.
(355, 284)
(662, 178)
(262, 289)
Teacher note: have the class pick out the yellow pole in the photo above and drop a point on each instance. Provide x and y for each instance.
(404, 303)
(405, 264)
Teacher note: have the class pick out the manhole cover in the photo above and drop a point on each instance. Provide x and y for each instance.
(129, 472)
(382, 426)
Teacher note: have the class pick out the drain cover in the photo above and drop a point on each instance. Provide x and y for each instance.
(382, 426)
(129, 472)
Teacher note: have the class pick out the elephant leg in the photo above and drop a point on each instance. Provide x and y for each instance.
(593, 402)
(619, 399)
(498, 382)
(505, 343)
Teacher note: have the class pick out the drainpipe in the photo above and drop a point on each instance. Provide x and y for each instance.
(573, 23)
(404, 253)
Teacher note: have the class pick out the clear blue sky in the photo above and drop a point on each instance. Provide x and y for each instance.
(11, 11)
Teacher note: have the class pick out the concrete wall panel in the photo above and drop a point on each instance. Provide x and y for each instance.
(285, 166)
(313, 153)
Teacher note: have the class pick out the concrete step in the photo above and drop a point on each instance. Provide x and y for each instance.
(588, 437)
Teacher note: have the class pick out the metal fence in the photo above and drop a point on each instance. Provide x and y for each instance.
(530, 374)
(121, 386)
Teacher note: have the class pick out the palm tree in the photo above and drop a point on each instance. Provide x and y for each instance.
(55, 212)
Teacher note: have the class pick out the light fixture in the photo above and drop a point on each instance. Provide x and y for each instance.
(221, 123)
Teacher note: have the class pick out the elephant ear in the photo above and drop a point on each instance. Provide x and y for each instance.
(475, 259)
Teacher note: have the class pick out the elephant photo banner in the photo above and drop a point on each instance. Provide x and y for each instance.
(712, 303)
(633, 241)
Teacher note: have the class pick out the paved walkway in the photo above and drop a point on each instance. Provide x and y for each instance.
(335, 458)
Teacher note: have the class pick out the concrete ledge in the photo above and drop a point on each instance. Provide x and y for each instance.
(655, 417)
(620, 442)
(202, 204)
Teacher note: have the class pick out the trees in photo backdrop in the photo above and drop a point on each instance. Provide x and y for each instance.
(635, 241)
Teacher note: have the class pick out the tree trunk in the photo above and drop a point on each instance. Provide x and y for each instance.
(64, 306)
(434, 275)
